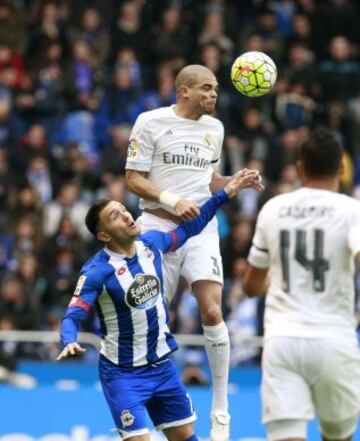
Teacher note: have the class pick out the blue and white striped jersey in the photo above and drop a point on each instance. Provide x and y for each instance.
(128, 294)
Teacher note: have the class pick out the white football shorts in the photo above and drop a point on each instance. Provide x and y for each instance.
(303, 376)
(198, 259)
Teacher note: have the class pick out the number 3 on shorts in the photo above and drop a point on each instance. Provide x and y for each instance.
(216, 268)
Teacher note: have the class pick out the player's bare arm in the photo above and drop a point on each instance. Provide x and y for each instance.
(71, 350)
(255, 281)
(139, 184)
(218, 182)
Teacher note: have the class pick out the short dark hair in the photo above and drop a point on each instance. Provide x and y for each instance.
(93, 215)
(321, 153)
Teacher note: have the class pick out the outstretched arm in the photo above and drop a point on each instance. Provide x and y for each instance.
(84, 297)
(218, 181)
(174, 239)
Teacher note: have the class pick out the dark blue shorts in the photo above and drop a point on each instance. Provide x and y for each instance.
(157, 389)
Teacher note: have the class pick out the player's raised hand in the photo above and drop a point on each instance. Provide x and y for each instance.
(70, 350)
(186, 210)
(244, 179)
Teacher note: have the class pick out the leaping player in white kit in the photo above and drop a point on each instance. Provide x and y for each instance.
(173, 156)
(306, 241)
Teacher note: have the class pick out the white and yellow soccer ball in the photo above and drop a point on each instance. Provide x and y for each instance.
(253, 73)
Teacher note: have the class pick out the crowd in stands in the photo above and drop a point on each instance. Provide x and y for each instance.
(74, 76)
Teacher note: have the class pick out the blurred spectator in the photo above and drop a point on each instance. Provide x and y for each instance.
(47, 29)
(76, 10)
(213, 32)
(7, 181)
(301, 64)
(94, 33)
(24, 202)
(266, 30)
(8, 123)
(339, 75)
(295, 109)
(284, 13)
(49, 89)
(79, 128)
(66, 237)
(34, 283)
(120, 104)
(302, 32)
(114, 156)
(11, 67)
(61, 280)
(27, 236)
(78, 166)
(33, 144)
(126, 57)
(164, 94)
(80, 77)
(14, 303)
(128, 32)
(212, 57)
(238, 244)
(13, 32)
(290, 141)
(338, 17)
(67, 203)
(171, 41)
(39, 177)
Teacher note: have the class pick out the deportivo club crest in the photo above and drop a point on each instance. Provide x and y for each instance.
(126, 418)
(144, 291)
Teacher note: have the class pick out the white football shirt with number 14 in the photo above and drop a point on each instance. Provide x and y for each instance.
(308, 239)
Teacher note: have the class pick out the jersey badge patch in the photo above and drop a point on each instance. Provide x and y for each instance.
(208, 139)
(121, 270)
(79, 285)
(148, 252)
(133, 147)
(127, 419)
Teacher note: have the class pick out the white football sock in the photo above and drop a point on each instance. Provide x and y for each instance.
(217, 346)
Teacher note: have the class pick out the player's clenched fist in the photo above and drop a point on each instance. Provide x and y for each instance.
(186, 210)
(70, 350)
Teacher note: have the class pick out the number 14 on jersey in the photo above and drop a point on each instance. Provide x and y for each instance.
(318, 265)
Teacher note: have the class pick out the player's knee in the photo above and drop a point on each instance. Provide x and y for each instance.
(339, 430)
(211, 314)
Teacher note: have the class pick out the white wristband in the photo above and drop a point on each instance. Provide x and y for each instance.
(169, 199)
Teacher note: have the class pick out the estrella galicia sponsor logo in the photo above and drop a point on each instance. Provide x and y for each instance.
(144, 291)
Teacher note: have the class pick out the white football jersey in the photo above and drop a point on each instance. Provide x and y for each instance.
(308, 239)
(180, 154)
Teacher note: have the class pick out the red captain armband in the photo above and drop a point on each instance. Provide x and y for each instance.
(174, 238)
(77, 302)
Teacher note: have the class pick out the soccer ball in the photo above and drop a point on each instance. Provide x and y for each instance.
(253, 73)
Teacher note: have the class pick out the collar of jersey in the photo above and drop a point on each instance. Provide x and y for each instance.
(181, 117)
(117, 255)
